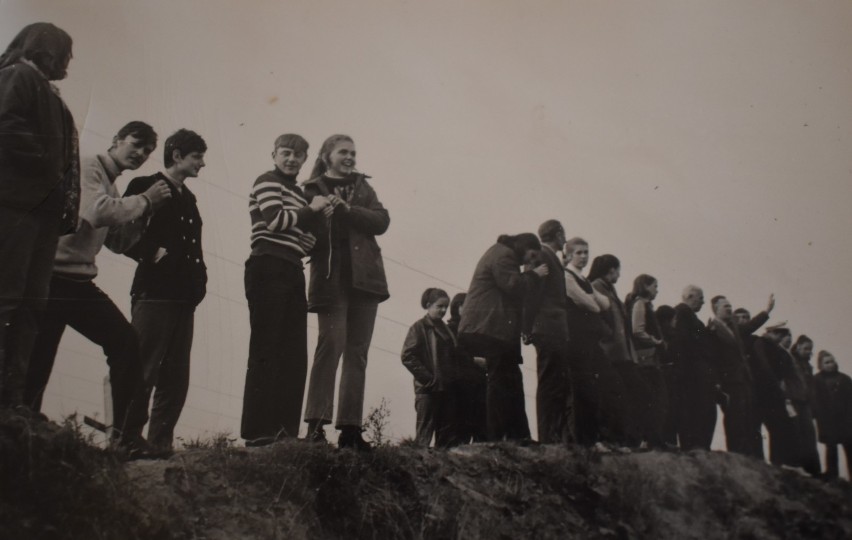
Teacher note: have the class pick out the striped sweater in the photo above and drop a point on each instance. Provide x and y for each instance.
(280, 218)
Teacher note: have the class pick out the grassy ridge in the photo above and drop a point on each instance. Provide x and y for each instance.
(55, 485)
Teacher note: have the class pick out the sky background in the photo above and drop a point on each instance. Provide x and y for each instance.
(700, 142)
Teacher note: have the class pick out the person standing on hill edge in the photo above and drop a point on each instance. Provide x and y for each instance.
(281, 221)
(347, 284)
(632, 396)
(491, 327)
(108, 219)
(591, 373)
(735, 375)
(429, 354)
(39, 191)
(697, 381)
(833, 411)
(545, 310)
(473, 381)
(650, 346)
(772, 366)
(170, 282)
(802, 395)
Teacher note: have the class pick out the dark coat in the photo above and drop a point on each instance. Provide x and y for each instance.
(421, 355)
(495, 297)
(38, 141)
(365, 219)
(176, 226)
(545, 308)
(771, 365)
(728, 349)
(833, 407)
(692, 347)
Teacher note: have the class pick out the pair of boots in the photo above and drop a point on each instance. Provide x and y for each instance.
(350, 436)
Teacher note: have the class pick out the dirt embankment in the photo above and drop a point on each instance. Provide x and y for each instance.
(57, 486)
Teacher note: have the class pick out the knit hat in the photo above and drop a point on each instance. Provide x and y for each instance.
(290, 140)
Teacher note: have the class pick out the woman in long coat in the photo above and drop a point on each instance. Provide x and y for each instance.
(347, 284)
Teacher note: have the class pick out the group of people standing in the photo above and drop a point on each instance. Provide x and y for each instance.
(615, 374)
(56, 216)
(611, 373)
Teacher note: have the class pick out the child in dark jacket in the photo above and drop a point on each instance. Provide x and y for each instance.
(428, 353)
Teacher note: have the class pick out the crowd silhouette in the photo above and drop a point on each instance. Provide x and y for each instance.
(614, 373)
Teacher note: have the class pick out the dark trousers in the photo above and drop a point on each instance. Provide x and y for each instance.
(739, 419)
(782, 431)
(553, 394)
(27, 250)
(657, 399)
(636, 403)
(438, 415)
(806, 453)
(832, 460)
(472, 407)
(88, 310)
(670, 420)
(506, 415)
(278, 349)
(165, 340)
(615, 420)
(585, 391)
(345, 329)
(697, 420)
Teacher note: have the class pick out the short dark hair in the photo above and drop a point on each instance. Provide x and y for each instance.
(716, 299)
(520, 243)
(295, 142)
(432, 295)
(184, 141)
(742, 311)
(665, 314)
(456, 304)
(140, 130)
(548, 230)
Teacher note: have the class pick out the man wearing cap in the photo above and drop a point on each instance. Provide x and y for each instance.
(281, 220)
(544, 312)
(771, 367)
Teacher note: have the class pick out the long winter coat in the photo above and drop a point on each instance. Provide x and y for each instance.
(38, 144)
(365, 219)
(495, 297)
(833, 407)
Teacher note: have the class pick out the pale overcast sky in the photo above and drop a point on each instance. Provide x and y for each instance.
(700, 142)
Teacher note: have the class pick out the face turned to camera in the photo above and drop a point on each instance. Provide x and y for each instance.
(742, 317)
(341, 159)
(130, 153)
(828, 363)
(579, 257)
(786, 341)
(613, 275)
(437, 309)
(288, 160)
(190, 164)
(724, 310)
(805, 349)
